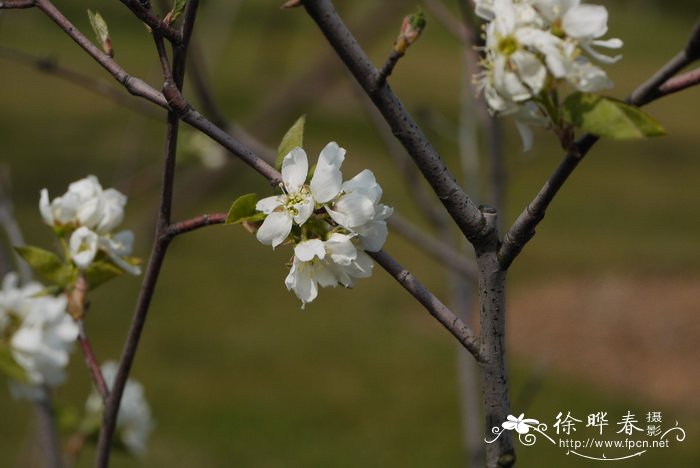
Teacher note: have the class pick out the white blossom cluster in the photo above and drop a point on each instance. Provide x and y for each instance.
(88, 215)
(532, 46)
(39, 335)
(332, 223)
(134, 422)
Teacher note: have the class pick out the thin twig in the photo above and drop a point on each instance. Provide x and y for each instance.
(388, 66)
(153, 21)
(680, 82)
(432, 304)
(16, 4)
(92, 363)
(460, 207)
(192, 224)
(134, 85)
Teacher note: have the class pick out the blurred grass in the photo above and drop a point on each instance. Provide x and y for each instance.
(235, 372)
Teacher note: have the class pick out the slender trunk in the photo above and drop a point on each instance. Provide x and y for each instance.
(494, 382)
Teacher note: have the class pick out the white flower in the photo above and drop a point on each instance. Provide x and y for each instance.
(92, 213)
(134, 422)
(42, 343)
(13, 297)
(118, 246)
(534, 45)
(84, 204)
(358, 210)
(308, 272)
(345, 260)
(521, 425)
(298, 202)
(83, 247)
(325, 264)
(583, 23)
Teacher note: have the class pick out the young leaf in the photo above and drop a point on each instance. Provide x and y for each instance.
(99, 272)
(293, 138)
(608, 117)
(176, 12)
(243, 209)
(46, 264)
(99, 26)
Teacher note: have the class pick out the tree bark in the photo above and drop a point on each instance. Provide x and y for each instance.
(494, 382)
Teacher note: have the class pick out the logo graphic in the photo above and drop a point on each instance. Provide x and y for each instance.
(628, 441)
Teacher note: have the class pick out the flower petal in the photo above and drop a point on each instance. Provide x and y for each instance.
(366, 183)
(373, 235)
(585, 22)
(270, 204)
(352, 210)
(83, 246)
(304, 210)
(327, 179)
(341, 249)
(275, 228)
(305, 251)
(295, 167)
(45, 207)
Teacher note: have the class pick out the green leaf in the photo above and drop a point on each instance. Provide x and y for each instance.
(47, 264)
(608, 117)
(243, 209)
(99, 272)
(99, 26)
(293, 138)
(9, 366)
(176, 12)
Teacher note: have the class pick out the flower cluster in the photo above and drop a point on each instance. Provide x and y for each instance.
(39, 335)
(331, 222)
(532, 46)
(87, 215)
(134, 422)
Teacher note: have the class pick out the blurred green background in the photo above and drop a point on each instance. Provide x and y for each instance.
(238, 375)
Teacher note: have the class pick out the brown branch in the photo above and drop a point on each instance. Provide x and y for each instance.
(134, 85)
(461, 208)
(153, 21)
(16, 4)
(93, 365)
(198, 222)
(523, 229)
(174, 79)
(388, 66)
(680, 82)
(432, 304)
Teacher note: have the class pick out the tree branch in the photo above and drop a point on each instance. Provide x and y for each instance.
(432, 304)
(523, 229)
(135, 86)
(153, 21)
(192, 224)
(458, 204)
(16, 4)
(93, 365)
